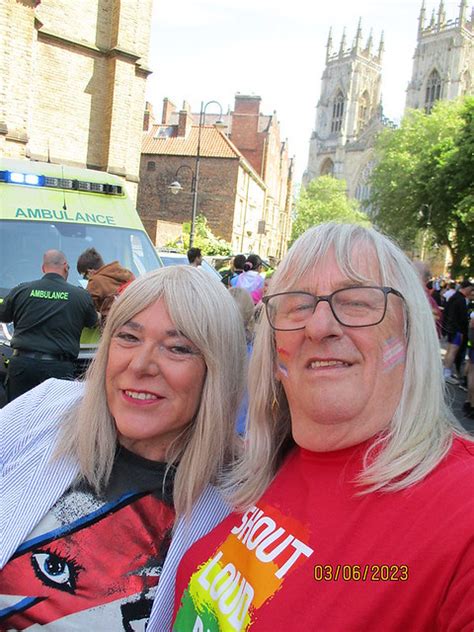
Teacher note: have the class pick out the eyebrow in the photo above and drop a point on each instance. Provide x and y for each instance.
(339, 286)
(170, 333)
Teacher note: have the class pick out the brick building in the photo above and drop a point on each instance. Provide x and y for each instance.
(72, 82)
(256, 140)
(231, 194)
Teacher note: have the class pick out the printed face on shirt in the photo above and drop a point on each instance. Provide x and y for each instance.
(154, 381)
(343, 384)
(102, 567)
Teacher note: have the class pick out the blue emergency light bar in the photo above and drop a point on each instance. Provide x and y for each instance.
(32, 179)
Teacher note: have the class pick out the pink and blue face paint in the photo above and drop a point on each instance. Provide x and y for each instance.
(282, 354)
(393, 353)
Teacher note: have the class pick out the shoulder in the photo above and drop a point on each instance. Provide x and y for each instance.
(36, 415)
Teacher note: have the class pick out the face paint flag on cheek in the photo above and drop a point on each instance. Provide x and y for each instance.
(393, 353)
(281, 365)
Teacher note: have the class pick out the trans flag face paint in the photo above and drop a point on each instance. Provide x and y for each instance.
(393, 353)
(282, 355)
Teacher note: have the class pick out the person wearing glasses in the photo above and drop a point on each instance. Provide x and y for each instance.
(353, 503)
(48, 316)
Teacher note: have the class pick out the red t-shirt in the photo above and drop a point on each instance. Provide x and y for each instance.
(312, 555)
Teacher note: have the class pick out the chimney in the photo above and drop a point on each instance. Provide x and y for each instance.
(148, 117)
(184, 123)
(168, 109)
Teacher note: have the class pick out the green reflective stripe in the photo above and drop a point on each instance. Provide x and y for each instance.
(53, 296)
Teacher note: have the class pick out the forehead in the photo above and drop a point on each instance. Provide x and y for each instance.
(361, 267)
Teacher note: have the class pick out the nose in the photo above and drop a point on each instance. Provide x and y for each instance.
(323, 323)
(145, 360)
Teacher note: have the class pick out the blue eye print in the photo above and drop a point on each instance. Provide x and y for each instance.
(55, 570)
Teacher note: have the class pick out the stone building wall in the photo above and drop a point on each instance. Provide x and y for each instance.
(73, 82)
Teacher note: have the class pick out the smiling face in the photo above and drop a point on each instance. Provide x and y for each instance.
(343, 384)
(154, 380)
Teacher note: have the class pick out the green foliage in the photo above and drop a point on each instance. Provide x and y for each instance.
(424, 180)
(203, 239)
(325, 200)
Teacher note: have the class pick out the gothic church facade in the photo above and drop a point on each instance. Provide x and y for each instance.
(349, 111)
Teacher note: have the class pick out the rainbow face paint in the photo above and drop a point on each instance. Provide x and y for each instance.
(282, 354)
(393, 353)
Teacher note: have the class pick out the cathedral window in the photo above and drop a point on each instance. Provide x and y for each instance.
(433, 90)
(327, 168)
(364, 104)
(337, 112)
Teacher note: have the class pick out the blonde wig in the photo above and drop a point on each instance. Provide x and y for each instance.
(202, 310)
(246, 308)
(420, 432)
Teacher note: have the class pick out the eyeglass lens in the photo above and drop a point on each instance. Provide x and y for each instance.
(356, 307)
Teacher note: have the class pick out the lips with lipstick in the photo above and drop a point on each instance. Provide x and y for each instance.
(141, 396)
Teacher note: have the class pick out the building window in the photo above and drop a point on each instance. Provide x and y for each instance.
(327, 168)
(466, 83)
(150, 165)
(364, 104)
(433, 90)
(337, 112)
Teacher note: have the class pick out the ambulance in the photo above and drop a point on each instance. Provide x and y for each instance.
(44, 206)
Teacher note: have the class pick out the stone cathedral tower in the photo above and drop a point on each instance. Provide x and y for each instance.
(443, 59)
(348, 114)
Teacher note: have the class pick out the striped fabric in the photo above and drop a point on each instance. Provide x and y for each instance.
(207, 513)
(31, 480)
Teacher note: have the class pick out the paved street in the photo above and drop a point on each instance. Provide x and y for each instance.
(457, 399)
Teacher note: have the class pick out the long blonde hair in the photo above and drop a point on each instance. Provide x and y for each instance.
(421, 430)
(203, 311)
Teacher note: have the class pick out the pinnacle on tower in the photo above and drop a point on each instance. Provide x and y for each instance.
(381, 46)
(421, 18)
(441, 14)
(432, 20)
(462, 12)
(358, 37)
(342, 47)
(329, 44)
(370, 41)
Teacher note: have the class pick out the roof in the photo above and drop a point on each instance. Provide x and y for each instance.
(163, 140)
(264, 120)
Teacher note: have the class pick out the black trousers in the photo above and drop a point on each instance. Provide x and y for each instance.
(26, 373)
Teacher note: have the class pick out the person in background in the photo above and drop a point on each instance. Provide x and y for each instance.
(354, 492)
(469, 403)
(425, 275)
(48, 316)
(456, 324)
(94, 473)
(236, 268)
(247, 312)
(105, 281)
(194, 257)
(251, 280)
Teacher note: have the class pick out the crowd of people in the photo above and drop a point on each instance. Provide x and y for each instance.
(331, 489)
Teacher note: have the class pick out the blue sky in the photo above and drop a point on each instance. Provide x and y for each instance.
(203, 50)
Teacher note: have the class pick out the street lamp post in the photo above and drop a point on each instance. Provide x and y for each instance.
(176, 187)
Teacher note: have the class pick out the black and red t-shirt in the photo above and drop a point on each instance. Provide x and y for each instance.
(93, 563)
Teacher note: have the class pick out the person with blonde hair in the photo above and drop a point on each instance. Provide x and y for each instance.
(354, 505)
(95, 473)
(247, 312)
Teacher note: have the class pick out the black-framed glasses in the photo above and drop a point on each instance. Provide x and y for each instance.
(358, 306)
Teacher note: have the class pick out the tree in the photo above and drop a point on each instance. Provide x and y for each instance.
(204, 239)
(424, 180)
(325, 200)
